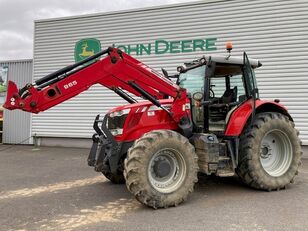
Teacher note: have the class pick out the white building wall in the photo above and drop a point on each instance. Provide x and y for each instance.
(17, 123)
(274, 32)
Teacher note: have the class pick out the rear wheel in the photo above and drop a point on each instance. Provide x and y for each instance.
(161, 169)
(270, 152)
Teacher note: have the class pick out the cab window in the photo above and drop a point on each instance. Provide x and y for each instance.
(227, 77)
(193, 80)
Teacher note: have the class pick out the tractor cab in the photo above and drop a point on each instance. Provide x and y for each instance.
(217, 85)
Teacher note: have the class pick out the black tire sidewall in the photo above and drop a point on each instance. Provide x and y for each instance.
(139, 157)
(264, 123)
(188, 161)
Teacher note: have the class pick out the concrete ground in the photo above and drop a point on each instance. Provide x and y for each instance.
(54, 189)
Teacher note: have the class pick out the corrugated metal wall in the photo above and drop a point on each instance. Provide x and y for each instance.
(273, 31)
(16, 124)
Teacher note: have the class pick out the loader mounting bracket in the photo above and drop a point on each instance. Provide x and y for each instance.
(105, 151)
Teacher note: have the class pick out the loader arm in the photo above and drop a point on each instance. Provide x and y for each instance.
(117, 71)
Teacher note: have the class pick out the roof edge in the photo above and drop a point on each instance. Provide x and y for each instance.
(15, 61)
(130, 10)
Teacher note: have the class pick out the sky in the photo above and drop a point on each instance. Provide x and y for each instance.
(17, 18)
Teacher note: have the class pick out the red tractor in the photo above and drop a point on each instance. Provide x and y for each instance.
(210, 121)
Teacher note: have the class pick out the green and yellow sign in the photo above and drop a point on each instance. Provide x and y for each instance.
(85, 48)
(162, 46)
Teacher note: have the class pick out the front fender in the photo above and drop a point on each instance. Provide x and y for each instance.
(242, 114)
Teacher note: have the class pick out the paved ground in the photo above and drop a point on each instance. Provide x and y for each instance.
(54, 189)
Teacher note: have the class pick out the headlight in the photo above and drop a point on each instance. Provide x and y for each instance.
(116, 120)
(119, 113)
(116, 132)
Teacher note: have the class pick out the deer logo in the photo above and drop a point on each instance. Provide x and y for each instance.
(85, 52)
(84, 48)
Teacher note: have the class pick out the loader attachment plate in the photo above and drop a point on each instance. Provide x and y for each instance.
(12, 98)
(105, 151)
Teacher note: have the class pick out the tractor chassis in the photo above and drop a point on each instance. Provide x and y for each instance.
(106, 153)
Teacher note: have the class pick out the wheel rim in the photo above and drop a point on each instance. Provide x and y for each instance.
(167, 170)
(276, 153)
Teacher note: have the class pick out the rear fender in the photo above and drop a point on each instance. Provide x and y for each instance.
(242, 114)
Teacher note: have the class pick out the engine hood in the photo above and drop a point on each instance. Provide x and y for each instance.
(139, 105)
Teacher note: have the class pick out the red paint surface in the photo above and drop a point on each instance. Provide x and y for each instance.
(103, 72)
(241, 115)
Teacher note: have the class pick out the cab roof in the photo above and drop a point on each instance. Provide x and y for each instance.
(225, 65)
(233, 60)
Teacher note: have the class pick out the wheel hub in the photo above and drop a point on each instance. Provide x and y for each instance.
(166, 170)
(162, 167)
(266, 151)
(276, 153)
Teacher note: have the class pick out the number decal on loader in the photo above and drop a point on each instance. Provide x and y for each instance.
(71, 84)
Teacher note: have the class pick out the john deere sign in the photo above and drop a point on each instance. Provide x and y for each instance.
(85, 48)
(164, 46)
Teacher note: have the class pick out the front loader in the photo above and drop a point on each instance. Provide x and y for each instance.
(209, 120)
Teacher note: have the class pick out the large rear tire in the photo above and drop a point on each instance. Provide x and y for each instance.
(270, 152)
(161, 169)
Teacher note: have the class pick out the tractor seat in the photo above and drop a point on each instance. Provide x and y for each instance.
(219, 111)
(229, 96)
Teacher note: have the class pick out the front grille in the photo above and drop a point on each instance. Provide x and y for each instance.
(116, 121)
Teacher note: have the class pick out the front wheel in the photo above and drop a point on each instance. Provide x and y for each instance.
(161, 169)
(270, 152)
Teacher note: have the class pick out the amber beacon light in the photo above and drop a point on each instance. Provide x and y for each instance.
(229, 46)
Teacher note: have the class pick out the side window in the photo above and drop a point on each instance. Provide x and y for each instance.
(237, 81)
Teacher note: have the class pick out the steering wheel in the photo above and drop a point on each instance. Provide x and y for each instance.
(212, 94)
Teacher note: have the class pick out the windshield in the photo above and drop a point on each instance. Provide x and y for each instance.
(193, 80)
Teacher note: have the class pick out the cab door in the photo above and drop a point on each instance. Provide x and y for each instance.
(252, 91)
(250, 79)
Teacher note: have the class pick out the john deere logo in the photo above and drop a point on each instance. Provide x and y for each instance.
(85, 48)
